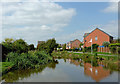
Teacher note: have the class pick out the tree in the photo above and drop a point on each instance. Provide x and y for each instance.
(31, 47)
(48, 46)
(42, 46)
(95, 46)
(9, 40)
(64, 47)
(7, 45)
(81, 44)
(51, 45)
(20, 46)
(106, 44)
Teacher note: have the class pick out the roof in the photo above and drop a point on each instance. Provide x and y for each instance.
(39, 42)
(86, 34)
(74, 40)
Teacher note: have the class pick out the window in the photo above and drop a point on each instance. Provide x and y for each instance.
(96, 38)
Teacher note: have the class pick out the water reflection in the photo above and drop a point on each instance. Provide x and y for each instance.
(70, 70)
(94, 69)
(97, 73)
(21, 74)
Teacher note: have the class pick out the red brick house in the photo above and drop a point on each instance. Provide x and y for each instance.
(73, 44)
(98, 37)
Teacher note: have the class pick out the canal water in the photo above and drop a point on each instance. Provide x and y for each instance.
(63, 70)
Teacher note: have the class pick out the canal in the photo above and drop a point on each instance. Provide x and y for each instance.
(63, 70)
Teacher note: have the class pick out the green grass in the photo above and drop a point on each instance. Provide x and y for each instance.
(106, 53)
(5, 66)
(103, 56)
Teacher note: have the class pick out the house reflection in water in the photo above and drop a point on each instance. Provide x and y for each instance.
(97, 73)
(75, 62)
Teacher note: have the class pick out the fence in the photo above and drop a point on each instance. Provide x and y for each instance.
(103, 49)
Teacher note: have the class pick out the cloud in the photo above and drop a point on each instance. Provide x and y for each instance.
(112, 8)
(72, 36)
(34, 21)
(59, 0)
(111, 28)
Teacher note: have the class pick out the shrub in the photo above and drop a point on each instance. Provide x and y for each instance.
(106, 44)
(118, 49)
(75, 49)
(48, 46)
(114, 44)
(113, 49)
(95, 54)
(28, 60)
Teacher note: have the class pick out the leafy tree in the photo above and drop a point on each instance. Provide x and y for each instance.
(20, 46)
(64, 47)
(59, 46)
(81, 44)
(51, 45)
(106, 44)
(31, 47)
(9, 40)
(95, 46)
(42, 46)
(48, 46)
(7, 46)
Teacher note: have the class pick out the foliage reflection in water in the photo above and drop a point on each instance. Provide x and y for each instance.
(68, 69)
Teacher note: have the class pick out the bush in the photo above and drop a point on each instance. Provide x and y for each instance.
(94, 47)
(69, 49)
(48, 46)
(28, 60)
(118, 50)
(75, 49)
(95, 54)
(113, 49)
(114, 44)
(106, 44)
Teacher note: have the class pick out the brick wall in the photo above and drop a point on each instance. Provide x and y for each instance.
(101, 37)
(75, 44)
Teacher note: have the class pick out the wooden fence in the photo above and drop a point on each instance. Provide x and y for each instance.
(103, 49)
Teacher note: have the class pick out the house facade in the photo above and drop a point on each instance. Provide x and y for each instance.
(98, 37)
(73, 44)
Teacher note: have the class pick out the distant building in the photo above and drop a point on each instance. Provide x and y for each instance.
(98, 37)
(61, 45)
(73, 44)
(39, 42)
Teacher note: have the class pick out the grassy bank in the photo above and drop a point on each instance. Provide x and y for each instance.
(5, 66)
(104, 53)
(110, 62)
(32, 59)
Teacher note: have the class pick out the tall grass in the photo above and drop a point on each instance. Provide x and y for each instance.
(28, 60)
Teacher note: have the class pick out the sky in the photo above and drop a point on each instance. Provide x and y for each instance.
(64, 21)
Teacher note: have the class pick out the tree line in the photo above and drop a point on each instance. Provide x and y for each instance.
(20, 46)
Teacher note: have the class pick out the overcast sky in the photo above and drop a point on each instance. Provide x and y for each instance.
(64, 21)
